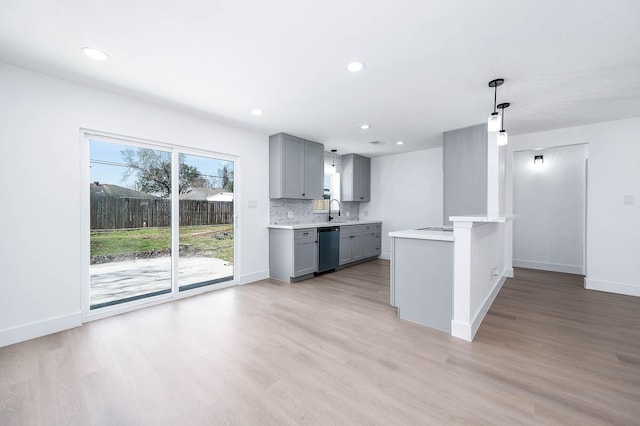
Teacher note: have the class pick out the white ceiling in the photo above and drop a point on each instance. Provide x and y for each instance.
(428, 63)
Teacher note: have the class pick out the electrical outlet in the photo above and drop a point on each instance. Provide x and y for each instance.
(494, 272)
(347, 214)
(366, 213)
(290, 215)
(628, 200)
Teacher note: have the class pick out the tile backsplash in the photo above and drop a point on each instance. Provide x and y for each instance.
(303, 212)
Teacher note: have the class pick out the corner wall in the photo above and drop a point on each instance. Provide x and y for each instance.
(406, 192)
(40, 185)
(613, 228)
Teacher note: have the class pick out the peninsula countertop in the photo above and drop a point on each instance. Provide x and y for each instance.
(423, 234)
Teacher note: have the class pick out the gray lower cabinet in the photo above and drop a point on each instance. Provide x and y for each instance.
(293, 254)
(305, 253)
(368, 241)
(345, 245)
(296, 167)
(350, 244)
(355, 180)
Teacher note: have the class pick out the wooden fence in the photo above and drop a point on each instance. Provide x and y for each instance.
(121, 213)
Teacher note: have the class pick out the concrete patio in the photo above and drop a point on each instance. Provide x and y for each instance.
(123, 280)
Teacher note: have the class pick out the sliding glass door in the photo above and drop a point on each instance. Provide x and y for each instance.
(161, 221)
(130, 237)
(206, 222)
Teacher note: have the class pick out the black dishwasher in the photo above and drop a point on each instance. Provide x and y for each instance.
(328, 248)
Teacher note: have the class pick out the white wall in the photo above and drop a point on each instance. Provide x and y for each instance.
(550, 200)
(613, 228)
(480, 270)
(406, 192)
(40, 186)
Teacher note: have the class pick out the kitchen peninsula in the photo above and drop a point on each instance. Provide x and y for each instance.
(446, 281)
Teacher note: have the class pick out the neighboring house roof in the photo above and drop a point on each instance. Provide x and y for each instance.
(221, 196)
(199, 193)
(116, 191)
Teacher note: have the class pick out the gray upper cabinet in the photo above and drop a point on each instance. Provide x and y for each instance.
(314, 170)
(296, 167)
(356, 178)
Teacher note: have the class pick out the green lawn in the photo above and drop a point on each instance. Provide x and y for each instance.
(210, 240)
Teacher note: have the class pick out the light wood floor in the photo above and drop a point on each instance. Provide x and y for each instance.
(331, 351)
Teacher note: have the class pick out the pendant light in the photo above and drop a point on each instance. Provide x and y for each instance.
(503, 137)
(493, 124)
(333, 158)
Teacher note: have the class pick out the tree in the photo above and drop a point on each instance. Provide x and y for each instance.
(154, 171)
(227, 177)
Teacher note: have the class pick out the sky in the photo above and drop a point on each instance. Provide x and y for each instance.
(107, 164)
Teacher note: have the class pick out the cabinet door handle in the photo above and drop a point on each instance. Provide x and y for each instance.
(304, 195)
(305, 233)
(362, 198)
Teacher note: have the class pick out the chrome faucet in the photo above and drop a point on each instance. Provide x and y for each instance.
(331, 217)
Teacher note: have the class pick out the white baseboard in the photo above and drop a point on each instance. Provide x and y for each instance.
(254, 276)
(9, 336)
(509, 273)
(468, 331)
(610, 287)
(546, 266)
(488, 301)
(386, 255)
(461, 330)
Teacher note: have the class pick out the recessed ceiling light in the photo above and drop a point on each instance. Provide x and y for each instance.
(256, 112)
(399, 143)
(365, 127)
(95, 54)
(355, 66)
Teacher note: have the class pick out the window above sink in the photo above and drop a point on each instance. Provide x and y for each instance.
(331, 184)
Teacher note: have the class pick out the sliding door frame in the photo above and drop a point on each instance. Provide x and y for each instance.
(175, 294)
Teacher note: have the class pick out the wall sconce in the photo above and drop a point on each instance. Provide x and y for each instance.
(493, 124)
(538, 160)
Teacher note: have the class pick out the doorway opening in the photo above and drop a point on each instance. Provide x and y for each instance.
(550, 197)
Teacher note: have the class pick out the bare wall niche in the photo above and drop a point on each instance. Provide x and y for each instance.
(550, 197)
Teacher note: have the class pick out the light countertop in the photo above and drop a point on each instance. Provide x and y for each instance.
(423, 234)
(482, 218)
(323, 224)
